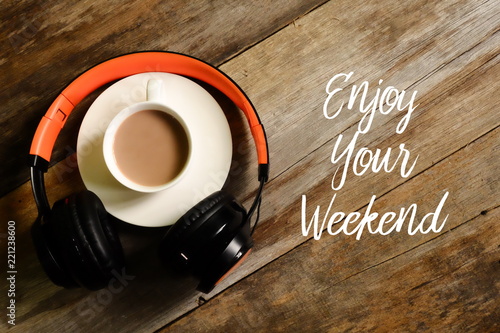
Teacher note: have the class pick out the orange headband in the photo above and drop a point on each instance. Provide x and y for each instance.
(135, 63)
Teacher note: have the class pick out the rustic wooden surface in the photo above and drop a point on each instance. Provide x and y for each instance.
(283, 54)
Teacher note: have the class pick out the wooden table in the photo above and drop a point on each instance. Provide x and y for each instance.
(441, 275)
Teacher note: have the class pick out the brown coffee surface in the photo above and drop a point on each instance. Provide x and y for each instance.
(151, 148)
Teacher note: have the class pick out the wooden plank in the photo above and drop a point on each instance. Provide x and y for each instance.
(46, 45)
(441, 282)
(462, 69)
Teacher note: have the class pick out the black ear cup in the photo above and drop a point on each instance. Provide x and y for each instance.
(208, 240)
(77, 245)
(46, 251)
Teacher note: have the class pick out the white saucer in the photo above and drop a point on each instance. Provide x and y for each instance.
(211, 154)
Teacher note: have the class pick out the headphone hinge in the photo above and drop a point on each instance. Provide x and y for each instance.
(263, 172)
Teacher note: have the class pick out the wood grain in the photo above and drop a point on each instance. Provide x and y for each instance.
(448, 52)
(46, 45)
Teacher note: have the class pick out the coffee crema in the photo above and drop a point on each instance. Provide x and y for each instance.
(151, 148)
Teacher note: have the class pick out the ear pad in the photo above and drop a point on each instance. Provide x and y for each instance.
(45, 249)
(78, 245)
(208, 240)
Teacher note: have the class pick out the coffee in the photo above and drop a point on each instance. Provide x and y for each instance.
(151, 148)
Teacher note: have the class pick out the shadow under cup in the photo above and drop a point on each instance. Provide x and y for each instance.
(147, 147)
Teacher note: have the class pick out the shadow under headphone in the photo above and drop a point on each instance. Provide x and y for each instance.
(75, 241)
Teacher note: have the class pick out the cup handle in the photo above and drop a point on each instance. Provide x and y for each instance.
(154, 90)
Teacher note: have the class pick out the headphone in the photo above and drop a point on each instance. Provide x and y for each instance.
(76, 242)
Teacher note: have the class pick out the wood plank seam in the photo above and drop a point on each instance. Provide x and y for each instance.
(415, 247)
(480, 40)
(243, 50)
(442, 234)
(437, 69)
(456, 269)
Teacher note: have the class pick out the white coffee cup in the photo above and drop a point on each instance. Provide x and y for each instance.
(147, 146)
